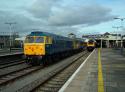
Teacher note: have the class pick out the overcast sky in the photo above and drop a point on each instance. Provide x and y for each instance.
(61, 16)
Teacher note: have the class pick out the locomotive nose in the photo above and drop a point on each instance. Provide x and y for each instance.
(34, 49)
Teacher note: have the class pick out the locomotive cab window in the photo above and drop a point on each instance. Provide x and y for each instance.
(39, 39)
(29, 39)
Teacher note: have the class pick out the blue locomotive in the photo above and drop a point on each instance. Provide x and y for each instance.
(44, 48)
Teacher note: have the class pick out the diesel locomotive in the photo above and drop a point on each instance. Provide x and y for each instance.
(91, 44)
(44, 48)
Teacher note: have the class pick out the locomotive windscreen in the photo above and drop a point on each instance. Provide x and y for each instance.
(90, 41)
(39, 40)
(31, 39)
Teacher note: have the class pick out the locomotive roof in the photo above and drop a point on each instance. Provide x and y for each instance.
(57, 37)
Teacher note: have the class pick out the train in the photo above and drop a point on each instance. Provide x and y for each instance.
(91, 44)
(44, 48)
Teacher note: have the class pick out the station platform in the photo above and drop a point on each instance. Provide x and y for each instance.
(102, 71)
(6, 52)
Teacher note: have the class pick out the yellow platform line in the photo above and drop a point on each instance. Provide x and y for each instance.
(100, 74)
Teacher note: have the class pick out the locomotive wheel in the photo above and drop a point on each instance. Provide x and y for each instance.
(44, 61)
(27, 61)
(50, 59)
(35, 61)
(38, 62)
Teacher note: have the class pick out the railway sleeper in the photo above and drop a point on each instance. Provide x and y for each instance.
(54, 82)
(50, 86)
(50, 89)
(62, 78)
(57, 80)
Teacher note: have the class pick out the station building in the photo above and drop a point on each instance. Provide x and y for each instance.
(108, 40)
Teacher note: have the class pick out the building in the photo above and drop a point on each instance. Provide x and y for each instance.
(108, 40)
(7, 40)
(19, 42)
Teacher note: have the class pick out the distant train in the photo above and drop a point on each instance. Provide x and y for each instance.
(91, 44)
(44, 48)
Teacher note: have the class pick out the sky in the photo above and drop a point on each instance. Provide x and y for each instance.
(62, 16)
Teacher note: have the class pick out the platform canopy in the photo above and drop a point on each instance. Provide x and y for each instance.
(20, 39)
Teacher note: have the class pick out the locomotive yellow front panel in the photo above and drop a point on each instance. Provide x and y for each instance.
(91, 44)
(34, 49)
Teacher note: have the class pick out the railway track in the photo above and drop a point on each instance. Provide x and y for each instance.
(8, 59)
(9, 77)
(53, 81)
(13, 68)
(11, 63)
(48, 80)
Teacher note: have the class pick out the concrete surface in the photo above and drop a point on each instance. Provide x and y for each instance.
(113, 74)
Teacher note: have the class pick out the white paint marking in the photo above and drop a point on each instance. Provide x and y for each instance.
(62, 89)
